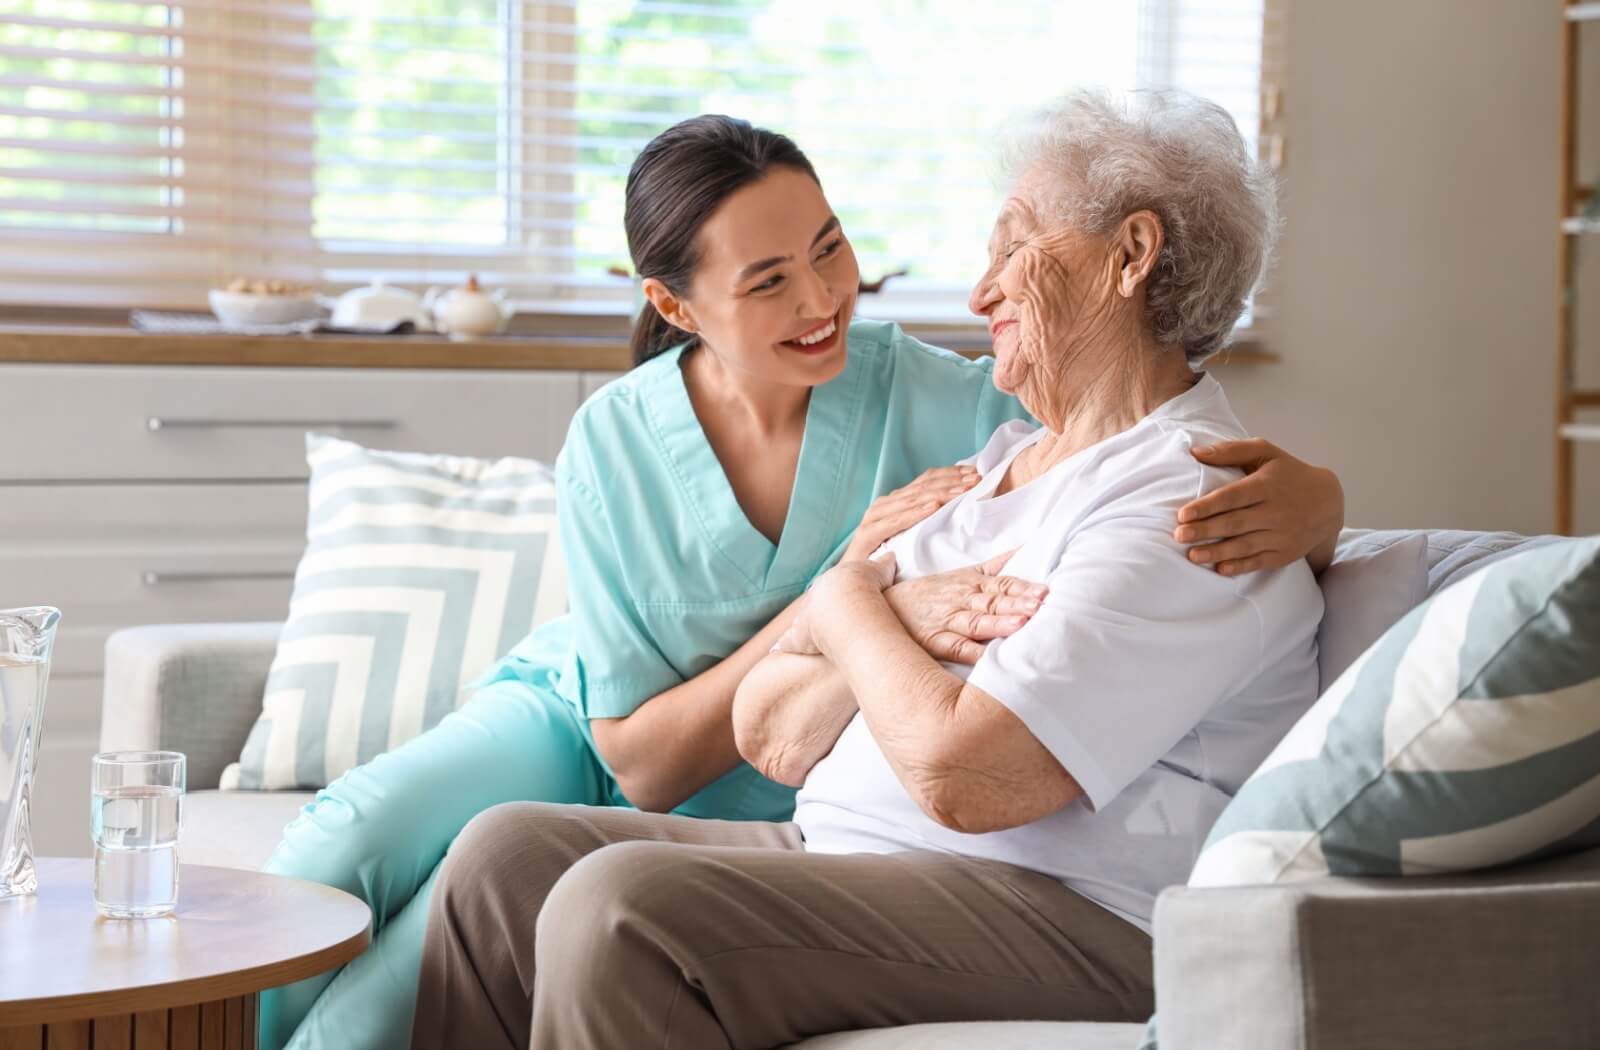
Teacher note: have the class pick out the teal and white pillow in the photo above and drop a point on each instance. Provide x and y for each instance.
(1468, 736)
(419, 572)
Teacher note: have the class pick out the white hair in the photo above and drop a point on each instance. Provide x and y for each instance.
(1181, 157)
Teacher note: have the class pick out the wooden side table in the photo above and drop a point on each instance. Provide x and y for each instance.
(71, 980)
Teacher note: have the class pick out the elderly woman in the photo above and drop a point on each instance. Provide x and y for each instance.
(973, 839)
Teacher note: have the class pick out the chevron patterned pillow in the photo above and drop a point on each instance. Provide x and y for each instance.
(419, 572)
(1468, 736)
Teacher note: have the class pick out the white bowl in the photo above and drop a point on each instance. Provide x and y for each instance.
(248, 308)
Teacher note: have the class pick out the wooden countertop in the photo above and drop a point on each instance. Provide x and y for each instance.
(124, 346)
(100, 345)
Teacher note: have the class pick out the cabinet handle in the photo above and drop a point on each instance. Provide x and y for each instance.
(156, 579)
(155, 423)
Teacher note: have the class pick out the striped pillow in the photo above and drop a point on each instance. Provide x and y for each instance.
(1468, 736)
(419, 572)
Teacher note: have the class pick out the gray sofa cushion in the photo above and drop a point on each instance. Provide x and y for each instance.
(194, 688)
(1470, 962)
(1372, 583)
(1452, 553)
(984, 1035)
(236, 829)
(1378, 575)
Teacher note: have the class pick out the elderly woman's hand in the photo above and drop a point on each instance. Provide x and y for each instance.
(1282, 510)
(952, 615)
(895, 512)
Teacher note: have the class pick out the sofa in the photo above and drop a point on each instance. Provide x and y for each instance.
(1488, 960)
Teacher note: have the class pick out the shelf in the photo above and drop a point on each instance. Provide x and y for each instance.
(1578, 220)
(1581, 431)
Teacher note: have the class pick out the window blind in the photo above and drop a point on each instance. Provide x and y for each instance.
(150, 151)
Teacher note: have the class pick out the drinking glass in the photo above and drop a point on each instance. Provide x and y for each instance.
(136, 812)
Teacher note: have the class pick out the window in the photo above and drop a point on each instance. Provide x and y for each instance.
(150, 151)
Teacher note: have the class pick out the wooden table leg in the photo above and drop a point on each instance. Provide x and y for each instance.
(24, 1037)
(226, 1024)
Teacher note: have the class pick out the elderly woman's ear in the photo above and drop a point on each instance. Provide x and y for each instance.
(1138, 244)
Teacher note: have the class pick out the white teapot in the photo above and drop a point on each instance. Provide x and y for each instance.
(468, 312)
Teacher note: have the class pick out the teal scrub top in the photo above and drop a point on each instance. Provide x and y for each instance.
(666, 576)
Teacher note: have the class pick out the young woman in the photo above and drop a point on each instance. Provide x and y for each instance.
(763, 436)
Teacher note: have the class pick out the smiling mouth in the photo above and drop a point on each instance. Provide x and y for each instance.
(820, 339)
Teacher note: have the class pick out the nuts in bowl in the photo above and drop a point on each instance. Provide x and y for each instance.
(263, 302)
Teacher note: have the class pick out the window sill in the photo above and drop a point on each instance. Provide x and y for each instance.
(97, 344)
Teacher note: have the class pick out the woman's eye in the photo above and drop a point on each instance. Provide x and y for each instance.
(1012, 249)
(831, 248)
(769, 284)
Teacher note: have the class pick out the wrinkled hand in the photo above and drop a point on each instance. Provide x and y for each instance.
(894, 513)
(1282, 510)
(953, 615)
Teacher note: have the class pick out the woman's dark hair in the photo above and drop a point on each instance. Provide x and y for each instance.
(679, 179)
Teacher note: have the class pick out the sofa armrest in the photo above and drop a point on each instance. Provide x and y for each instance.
(194, 688)
(1474, 961)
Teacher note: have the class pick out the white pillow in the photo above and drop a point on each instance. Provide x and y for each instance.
(1468, 736)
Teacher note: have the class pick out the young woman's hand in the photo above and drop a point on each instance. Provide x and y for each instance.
(894, 513)
(954, 615)
(1282, 510)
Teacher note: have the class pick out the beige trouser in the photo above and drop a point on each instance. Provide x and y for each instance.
(585, 928)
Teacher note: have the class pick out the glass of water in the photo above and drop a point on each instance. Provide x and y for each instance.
(137, 807)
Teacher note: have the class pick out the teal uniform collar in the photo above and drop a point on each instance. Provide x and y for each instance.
(832, 418)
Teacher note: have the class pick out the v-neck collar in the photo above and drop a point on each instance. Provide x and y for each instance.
(831, 418)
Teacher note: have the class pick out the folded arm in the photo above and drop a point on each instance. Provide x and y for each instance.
(694, 719)
(788, 714)
(965, 759)
(792, 707)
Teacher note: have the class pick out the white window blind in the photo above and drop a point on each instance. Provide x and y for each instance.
(151, 151)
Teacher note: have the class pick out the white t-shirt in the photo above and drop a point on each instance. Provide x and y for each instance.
(1159, 685)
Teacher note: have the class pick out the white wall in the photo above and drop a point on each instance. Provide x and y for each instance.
(1416, 284)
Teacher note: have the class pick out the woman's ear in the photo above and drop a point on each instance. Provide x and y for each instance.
(1139, 243)
(672, 308)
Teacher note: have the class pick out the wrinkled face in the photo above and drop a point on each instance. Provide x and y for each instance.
(777, 282)
(1065, 273)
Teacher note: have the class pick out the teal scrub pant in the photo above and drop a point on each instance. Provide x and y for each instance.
(380, 831)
